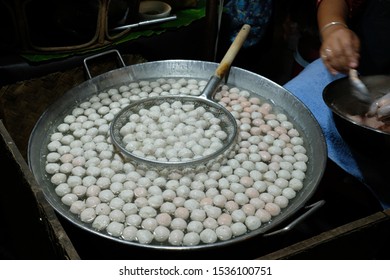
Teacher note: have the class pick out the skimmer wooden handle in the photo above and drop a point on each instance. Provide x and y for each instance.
(231, 53)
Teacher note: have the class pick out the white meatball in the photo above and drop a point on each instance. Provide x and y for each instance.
(191, 239)
(252, 222)
(62, 189)
(69, 198)
(77, 207)
(238, 215)
(195, 226)
(129, 208)
(102, 209)
(147, 212)
(133, 220)
(178, 224)
(92, 201)
(176, 237)
(58, 178)
(101, 222)
(238, 229)
(130, 233)
(115, 229)
(149, 224)
(161, 233)
(208, 236)
(106, 195)
(224, 232)
(117, 216)
(116, 203)
(88, 215)
(52, 168)
(80, 191)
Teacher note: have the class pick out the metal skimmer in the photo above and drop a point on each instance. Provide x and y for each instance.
(228, 122)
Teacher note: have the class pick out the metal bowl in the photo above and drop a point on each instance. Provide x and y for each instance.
(154, 9)
(262, 87)
(338, 97)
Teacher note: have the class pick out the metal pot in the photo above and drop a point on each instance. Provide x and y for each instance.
(338, 97)
(296, 111)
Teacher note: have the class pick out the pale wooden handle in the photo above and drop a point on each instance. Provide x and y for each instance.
(227, 60)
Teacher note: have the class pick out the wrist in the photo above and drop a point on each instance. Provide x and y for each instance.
(331, 25)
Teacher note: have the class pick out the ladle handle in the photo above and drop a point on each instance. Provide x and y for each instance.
(227, 60)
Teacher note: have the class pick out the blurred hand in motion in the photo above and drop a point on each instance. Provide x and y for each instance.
(340, 49)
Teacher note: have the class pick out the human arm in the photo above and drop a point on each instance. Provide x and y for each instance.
(340, 45)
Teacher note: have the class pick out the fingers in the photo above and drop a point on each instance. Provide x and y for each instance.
(384, 113)
(384, 100)
(340, 58)
(330, 60)
(340, 51)
(381, 109)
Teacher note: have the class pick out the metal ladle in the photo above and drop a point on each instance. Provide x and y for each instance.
(359, 89)
(379, 108)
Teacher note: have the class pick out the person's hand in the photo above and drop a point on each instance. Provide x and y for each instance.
(340, 49)
(380, 109)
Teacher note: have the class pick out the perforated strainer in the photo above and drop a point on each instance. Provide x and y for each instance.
(204, 108)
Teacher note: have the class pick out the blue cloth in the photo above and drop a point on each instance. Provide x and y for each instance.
(308, 87)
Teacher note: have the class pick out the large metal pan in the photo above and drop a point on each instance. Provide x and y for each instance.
(262, 87)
